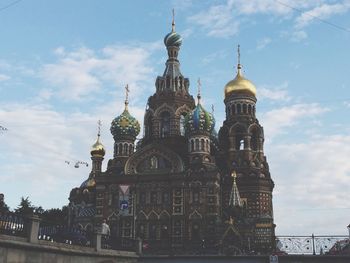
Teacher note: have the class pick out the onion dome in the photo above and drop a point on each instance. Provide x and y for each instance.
(173, 39)
(239, 84)
(199, 120)
(90, 182)
(97, 149)
(125, 125)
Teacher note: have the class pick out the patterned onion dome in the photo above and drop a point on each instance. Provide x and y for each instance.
(125, 125)
(97, 148)
(90, 182)
(199, 120)
(173, 39)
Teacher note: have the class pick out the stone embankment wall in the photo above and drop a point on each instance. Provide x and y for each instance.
(19, 250)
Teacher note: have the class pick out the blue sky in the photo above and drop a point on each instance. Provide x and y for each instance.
(63, 66)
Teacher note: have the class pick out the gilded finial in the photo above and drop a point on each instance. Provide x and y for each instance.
(126, 96)
(173, 22)
(239, 66)
(234, 175)
(99, 124)
(199, 90)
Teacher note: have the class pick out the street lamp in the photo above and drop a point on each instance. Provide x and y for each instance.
(349, 231)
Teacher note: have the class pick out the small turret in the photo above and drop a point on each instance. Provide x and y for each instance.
(125, 128)
(199, 125)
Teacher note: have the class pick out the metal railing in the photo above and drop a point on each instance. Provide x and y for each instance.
(312, 245)
(65, 234)
(12, 224)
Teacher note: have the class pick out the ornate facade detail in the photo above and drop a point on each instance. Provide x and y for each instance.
(173, 189)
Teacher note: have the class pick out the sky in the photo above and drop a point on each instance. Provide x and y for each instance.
(64, 65)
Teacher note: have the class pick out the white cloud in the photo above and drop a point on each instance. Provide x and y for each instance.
(323, 11)
(223, 20)
(80, 73)
(312, 179)
(181, 4)
(262, 43)
(214, 56)
(279, 93)
(273, 7)
(217, 21)
(4, 77)
(38, 142)
(277, 120)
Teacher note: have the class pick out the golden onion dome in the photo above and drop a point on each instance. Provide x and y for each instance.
(97, 148)
(240, 85)
(88, 183)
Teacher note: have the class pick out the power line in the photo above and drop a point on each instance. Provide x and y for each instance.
(9, 5)
(313, 16)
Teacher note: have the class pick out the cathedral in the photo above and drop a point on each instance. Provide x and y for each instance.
(183, 186)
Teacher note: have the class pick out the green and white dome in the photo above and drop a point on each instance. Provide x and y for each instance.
(125, 125)
(199, 121)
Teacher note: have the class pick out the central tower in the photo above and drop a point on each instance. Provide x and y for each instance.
(167, 108)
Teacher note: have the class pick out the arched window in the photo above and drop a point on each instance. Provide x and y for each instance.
(149, 127)
(154, 162)
(120, 151)
(197, 145)
(239, 108)
(254, 141)
(116, 149)
(195, 231)
(233, 109)
(164, 232)
(202, 145)
(241, 144)
(192, 145)
(152, 230)
(245, 108)
(250, 109)
(182, 125)
(165, 124)
(125, 149)
(208, 148)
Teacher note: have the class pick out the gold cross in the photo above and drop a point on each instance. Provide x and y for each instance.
(127, 93)
(99, 124)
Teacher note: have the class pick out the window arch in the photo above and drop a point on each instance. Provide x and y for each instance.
(120, 151)
(192, 145)
(254, 141)
(149, 127)
(182, 124)
(239, 108)
(125, 149)
(245, 108)
(249, 109)
(197, 145)
(165, 124)
(116, 149)
(202, 145)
